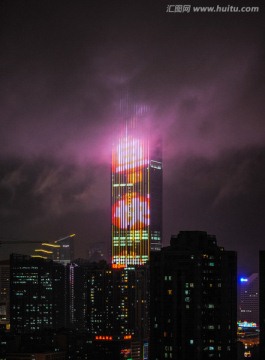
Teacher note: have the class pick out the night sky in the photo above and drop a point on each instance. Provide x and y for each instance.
(64, 68)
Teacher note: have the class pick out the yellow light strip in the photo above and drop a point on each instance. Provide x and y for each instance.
(38, 256)
(51, 245)
(45, 251)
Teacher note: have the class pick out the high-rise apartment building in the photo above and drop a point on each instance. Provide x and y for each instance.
(4, 292)
(248, 299)
(91, 297)
(193, 299)
(110, 304)
(38, 295)
(262, 303)
(136, 192)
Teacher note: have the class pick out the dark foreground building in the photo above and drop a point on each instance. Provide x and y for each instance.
(111, 305)
(193, 301)
(262, 303)
(4, 293)
(38, 294)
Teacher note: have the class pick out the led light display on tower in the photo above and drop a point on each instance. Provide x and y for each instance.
(136, 196)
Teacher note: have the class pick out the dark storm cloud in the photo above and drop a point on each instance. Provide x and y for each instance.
(63, 74)
(224, 195)
(50, 84)
(45, 188)
(65, 69)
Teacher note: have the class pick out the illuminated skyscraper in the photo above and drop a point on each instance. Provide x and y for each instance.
(136, 192)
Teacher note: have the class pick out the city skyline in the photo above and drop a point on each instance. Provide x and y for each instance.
(201, 75)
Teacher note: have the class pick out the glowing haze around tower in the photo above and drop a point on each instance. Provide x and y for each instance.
(136, 195)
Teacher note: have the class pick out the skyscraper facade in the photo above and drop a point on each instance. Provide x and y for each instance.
(193, 299)
(136, 192)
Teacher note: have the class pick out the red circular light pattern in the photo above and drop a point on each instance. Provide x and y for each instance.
(132, 211)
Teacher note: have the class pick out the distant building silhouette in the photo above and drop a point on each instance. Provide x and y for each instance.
(65, 253)
(38, 294)
(96, 252)
(193, 302)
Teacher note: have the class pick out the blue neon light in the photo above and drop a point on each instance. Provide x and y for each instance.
(243, 279)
